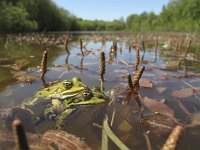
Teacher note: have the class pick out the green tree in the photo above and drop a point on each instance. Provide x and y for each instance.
(14, 19)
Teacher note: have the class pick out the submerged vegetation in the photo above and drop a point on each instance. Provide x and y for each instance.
(31, 15)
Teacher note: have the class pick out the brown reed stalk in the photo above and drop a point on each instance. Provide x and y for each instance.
(81, 63)
(66, 44)
(188, 48)
(129, 48)
(128, 97)
(137, 99)
(102, 65)
(136, 78)
(185, 67)
(19, 134)
(173, 138)
(156, 49)
(81, 46)
(143, 46)
(177, 46)
(137, 58)
(43, 65)
(102, 85)
(115, 46)
(179, 63)
(7, 42)
(180, 45)
(130, 84)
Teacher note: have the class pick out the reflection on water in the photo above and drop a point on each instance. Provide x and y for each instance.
(78, 55)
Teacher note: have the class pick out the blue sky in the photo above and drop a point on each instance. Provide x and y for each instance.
(110, 9)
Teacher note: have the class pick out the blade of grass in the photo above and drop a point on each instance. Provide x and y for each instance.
(104, 144)
(112, 136)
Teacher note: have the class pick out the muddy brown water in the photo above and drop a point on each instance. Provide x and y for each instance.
(62, 66)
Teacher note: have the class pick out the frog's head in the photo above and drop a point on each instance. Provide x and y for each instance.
(62, 90)
(84, 97)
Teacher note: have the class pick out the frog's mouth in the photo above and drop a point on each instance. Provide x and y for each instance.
(61, 97)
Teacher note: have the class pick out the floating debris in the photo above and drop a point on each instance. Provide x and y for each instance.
(184, 93)
(145, 83)
(173, 66)
(120, 70)
(161, 89)
(158, 124)
(50, 140)
(20, 64)
(157, 106)
(193, 120)
(64, 141)
(124, 62)
(22, 76)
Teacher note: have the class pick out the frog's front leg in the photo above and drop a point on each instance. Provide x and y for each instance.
(60, 120)
(50, 112)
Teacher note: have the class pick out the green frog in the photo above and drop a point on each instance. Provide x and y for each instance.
(56, 102)
(60, 110)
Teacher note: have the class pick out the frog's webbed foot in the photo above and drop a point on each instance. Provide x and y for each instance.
(60, 120)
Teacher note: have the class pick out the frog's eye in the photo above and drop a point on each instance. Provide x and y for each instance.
(86, 95)
(67, 84)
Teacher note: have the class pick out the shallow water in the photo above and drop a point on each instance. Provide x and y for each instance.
(62, 66)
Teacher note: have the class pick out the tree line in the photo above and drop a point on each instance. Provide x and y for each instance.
(44, 15)
(178, 15)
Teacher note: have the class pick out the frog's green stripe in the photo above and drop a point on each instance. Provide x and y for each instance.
(75, 89)
(58, 96)
(90, 102)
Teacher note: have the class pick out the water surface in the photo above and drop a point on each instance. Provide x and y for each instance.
(159, 63)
